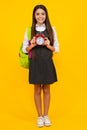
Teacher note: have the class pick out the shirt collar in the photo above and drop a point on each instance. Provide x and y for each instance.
(40, 28)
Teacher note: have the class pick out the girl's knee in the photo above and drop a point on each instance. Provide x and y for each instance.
(37, 89)
(46, 89)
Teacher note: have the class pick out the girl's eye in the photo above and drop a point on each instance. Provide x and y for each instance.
(37, 13)
(43, 13)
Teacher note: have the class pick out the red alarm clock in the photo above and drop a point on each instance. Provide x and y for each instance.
(40, 38)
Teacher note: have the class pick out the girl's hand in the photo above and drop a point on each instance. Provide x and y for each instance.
(33, 42)
(46, 42)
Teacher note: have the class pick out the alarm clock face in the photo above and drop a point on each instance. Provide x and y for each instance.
(39, 40)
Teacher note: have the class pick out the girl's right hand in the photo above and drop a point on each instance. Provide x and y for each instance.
(33, 42)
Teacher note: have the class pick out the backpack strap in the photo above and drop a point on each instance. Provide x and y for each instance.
(29, 33)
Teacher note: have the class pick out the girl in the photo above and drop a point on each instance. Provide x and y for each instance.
(42, 72)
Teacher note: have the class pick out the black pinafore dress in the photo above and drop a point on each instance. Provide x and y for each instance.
(42, 69)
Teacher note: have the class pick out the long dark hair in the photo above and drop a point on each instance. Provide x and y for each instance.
(47, 23)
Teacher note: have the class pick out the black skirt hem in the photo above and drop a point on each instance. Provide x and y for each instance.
(43, 82)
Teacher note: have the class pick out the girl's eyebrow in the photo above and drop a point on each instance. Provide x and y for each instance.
(40, 13)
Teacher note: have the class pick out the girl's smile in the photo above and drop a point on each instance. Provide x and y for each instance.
(40, 16)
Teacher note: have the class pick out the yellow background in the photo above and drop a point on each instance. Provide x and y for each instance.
(68, 108)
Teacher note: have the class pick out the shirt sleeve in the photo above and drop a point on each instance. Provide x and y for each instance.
(56, 43)
(25, 42)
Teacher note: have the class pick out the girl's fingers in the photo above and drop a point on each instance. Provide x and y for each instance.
(46, 38)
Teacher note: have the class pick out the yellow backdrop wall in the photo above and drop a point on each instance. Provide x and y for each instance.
(68, 108)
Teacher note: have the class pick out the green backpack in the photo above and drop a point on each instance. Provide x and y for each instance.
(24, 58)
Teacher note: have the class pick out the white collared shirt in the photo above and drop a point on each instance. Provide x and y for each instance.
(40, 28)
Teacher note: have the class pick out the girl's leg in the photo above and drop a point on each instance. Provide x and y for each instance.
(46, 94)
(46, 91)
(37, 98)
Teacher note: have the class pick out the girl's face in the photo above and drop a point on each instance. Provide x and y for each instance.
(40, 16)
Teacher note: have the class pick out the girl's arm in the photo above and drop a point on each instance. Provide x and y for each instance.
(55, 47)
(26, 47)
(32, 44)
(25, 42)
(50, 47)
(56, 42)
(47, 44)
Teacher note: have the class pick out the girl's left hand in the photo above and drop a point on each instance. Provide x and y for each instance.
(46, 42)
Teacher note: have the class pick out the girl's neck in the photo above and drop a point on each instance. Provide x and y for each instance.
(40, 24)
